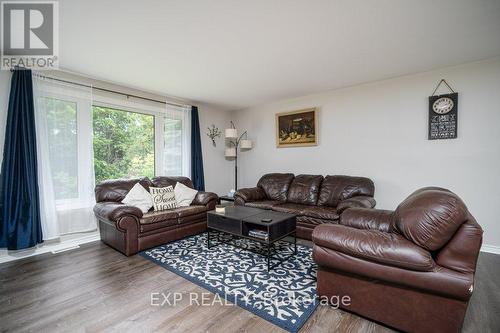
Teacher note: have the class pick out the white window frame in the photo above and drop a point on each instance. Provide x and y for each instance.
(159, 113)
(83, 118)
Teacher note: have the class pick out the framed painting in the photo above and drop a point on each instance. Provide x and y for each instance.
(297, 128)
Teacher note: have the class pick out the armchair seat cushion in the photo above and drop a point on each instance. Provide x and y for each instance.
(263, 204)
(373, 245)
(321, 212)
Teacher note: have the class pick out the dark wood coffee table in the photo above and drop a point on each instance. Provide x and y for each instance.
(239, 220)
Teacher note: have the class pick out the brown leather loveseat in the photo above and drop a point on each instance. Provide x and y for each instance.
(412, 268)
(313, 198)
(128, 230)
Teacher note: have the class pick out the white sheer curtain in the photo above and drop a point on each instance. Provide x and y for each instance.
(176, 153)
(63, 117)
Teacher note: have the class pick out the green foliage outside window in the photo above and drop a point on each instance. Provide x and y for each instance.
(123, 144)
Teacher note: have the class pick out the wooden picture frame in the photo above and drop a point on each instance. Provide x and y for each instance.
(297, 128)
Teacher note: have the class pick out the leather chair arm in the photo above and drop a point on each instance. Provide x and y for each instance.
(113, 211)
(204, 198)
(356, 202)
(375, 246)
(364, 218)
(250, 194)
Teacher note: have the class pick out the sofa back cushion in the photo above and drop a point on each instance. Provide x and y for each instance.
(304, 189)
(430, 217)
(334, 189)
(171, 181)
(275, 185)
(115, 190)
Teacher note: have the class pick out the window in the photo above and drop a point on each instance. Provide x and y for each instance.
(124, 144)
(61, 125)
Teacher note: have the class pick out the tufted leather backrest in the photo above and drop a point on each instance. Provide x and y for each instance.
(163, 181)
(334, 189)
(115, 190)
(275, 185)
(304, 189)
(430, 217)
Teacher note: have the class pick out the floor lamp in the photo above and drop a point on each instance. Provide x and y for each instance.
(234, 142)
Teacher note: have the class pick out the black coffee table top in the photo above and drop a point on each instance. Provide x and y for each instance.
(276, 217)
(238, 212)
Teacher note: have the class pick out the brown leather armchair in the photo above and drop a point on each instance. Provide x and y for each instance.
(128, 230)
(412, 268)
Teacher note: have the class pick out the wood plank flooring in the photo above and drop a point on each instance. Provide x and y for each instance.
(96, 289)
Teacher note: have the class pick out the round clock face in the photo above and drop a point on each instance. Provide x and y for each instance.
(443, 105)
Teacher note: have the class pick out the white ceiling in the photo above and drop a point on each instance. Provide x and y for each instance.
(238, 53)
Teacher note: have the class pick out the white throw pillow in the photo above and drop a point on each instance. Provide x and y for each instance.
(138, 197)
(184, 195)
(163, 198)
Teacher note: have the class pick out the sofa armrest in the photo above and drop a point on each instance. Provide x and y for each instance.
(113, 211)
(373, 245)
(250, 194)
(205, 198)
(365, 218)
(356, 202)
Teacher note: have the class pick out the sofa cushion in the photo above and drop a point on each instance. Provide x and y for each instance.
(263, 204)
(163, 198)
(321, 212)
(290, 208)
(115, 190)
(304, 189)
(430, 217)
(191, 210)
(184, 195)
(139, 197)
(171, 181)
(158, 216)
(275, 185)
(337, 188)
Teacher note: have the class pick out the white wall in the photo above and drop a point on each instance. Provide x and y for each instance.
(217, 169)
(379, 130)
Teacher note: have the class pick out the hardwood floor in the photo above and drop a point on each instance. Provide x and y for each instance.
(96, 289)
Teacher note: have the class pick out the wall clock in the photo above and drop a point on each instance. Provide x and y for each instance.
(443, 105)
(443, 114)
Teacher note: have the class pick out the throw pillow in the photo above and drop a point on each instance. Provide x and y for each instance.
(138, 197)
(184, 195)
(163, 197)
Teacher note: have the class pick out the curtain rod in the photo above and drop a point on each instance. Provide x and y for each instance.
(111, 91)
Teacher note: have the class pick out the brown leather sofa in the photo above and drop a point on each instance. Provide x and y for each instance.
(128, 230)
(313, 198)
(412, 268)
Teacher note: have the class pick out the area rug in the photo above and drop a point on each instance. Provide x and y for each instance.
(285, 296)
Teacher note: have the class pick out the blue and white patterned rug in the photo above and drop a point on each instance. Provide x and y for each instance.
(285, 296)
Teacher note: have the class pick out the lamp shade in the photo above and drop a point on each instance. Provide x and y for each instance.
(231, 133)
(246, 144)
(230, 152)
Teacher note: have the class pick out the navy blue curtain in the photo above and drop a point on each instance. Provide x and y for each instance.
(20, 226)
(196, 155)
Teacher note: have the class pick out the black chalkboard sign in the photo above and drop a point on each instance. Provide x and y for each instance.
(443, 116)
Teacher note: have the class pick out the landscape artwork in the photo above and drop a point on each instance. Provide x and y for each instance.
(297, 128)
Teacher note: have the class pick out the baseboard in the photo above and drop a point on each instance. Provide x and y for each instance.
(49, 247)
(490, 249)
